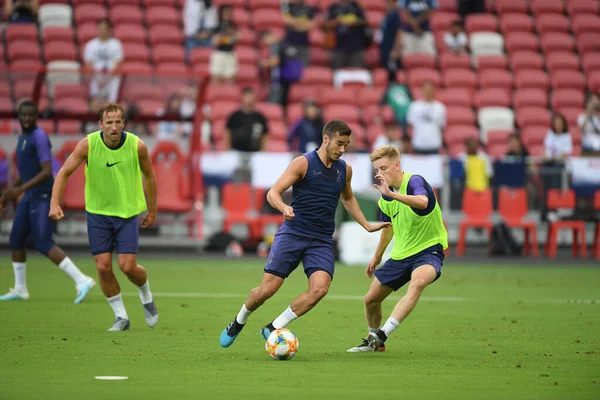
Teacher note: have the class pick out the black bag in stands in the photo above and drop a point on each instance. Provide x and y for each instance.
(503, 243)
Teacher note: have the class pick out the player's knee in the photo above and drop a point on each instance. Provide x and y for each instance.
(319, 292)
(103, 267)
(266, 292)
(418, 284)
(44, 247)
(128, 266)
(371, 299)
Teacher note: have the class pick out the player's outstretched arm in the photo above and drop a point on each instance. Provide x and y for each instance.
(384, 240)
(351, 205)
(292, 174)
(151, 186)
(419, 201)
(78, 156)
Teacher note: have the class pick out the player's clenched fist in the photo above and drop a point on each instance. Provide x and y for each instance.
(288, 213)
(56, 213)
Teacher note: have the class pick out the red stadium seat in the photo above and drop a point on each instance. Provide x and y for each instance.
(568, 79)
(549, 23)
(69, 90)
(530, 98)
(455, 97)
(247, 37)
(374, 18)
(299, 93)
(369, 96)
(541, 7)
(277, 146)
(447, 5)
(493, 97)
(459, 133)
(460, 78)
(317, 76)
(166, 53)
(521, 60)
(232, 93)
(60, 51)
(136, 67)
(23, 50)
(441, 21)
(114, 3)
(150, 107)
(246, 55)
(277, 130)
(521, 41)
(126, 14)
(294, 112)
(223, 109)
(557, 199)
(166, 3)
(6, 105)
(562, 61)
(496, 78)
(130, 32)
(593, 81)
(271, 111)
(582, 7)
(267, 19)
(511, 6)
(73, 196)
(481, 23)
(241, 17)
(451, 60)
(331, 95)
(456, 115)
(534, 135)
(571, 114)
(495, 137)
(136, 52)
(510, 23)
(86, 32)
(58, 34)
(418, 60)
(162, 15)
(71, 105)
(23, 32)
(317, 38)
(532, 79)
(319, 57)
(89, 13)
(512, 206)
(236, 200)
(491, 62)
(200, 55)
(170, 169)
(166, 34)
(586, 23)
(567, 98)
(552, 42)
(532, 116)
(247, 75)
(477, 207)
(338, 111)
(591, 62)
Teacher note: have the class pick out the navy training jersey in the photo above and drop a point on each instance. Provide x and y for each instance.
(315, 197)
(32, 150)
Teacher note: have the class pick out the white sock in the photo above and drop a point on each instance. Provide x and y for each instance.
(71, 269)
(145, 294)
(373, 330)
(243, 315)
(20, 282)
(285, 318)
(390, 325)
(116, 302)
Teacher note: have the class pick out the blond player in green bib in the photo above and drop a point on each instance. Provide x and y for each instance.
(409, 203)
(114, 198)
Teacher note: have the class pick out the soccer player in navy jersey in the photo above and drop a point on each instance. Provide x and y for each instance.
(31, 221)
(319, 179)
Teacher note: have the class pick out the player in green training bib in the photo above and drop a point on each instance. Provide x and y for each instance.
(408, 201)
(114, 198)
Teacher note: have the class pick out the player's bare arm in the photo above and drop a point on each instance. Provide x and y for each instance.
(77, 157)
(18, 188)
(292, 174)
(419, 201)
(151, 187)
(351, 205)
(387, 234)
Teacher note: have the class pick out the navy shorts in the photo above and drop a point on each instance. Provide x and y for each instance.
(32, 224)
(289, 248)
(396, 273)
(107, 233)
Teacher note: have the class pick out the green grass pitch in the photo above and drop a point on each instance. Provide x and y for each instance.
(480, 332)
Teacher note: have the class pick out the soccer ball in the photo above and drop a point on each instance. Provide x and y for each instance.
(282, 344)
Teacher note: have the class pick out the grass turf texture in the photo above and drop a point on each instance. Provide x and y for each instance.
(491, 331)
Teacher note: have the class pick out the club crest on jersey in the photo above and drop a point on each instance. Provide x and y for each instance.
(339, 175)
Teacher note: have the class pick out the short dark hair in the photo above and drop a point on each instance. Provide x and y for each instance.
(457, 22)
(26, 103)
(263, 33)
(336, 127)
(247, 89)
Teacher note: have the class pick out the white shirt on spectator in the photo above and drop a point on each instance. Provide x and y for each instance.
(103, 54)
(558, 145)
(455, 43)
(591, 134)
(197, 17)
(427, 119)
(383, 140)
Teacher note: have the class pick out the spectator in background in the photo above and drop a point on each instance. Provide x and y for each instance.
(456, 39)
(246, 128)
(589, 123)
(170, 130)
(95, 104)
(466, 7)
(21, 11)
(516, 148)
(271, 64)
(428, 118)
(478, 169)
(390, 136)
(200, 18)
(558, 143)
(389, 38)
(307, 134)
(223, 63)
(298, 18)
(417, 34)
(104, 55)
(347, 19)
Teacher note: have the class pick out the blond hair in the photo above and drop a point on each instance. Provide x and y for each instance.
(385, 152)
(110, 107)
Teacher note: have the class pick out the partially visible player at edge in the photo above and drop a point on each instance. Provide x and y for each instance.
(408, 201)
(114, 198)
(318, 179)
(34, 164)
